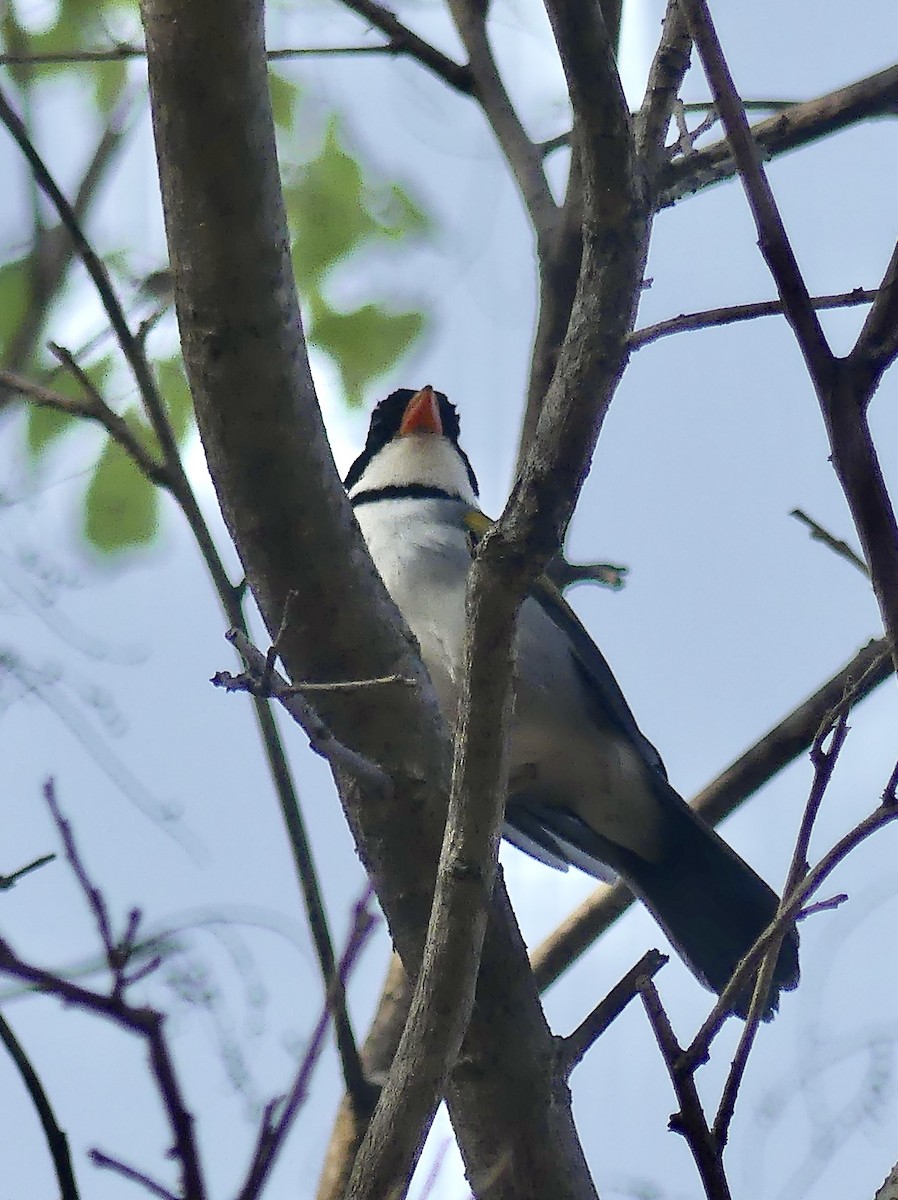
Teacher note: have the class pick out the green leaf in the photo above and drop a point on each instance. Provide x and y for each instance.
(109, 79)
(46, 425)
(326, 209)
(364, 344)
(15, 289)
(121, 508)
(284, 98)
(176, 394)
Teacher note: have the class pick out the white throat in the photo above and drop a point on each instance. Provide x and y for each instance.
(417, 458)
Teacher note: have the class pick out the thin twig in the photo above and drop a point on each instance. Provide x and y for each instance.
(573, 1048)
(347, 685)
(824, 761)
(108, 1163)
(843, 387)
(877, 343)
(773, 240)
(9, 881)
(145, 1022)
(711, 318)
(92, 263)
(321, 739)
(92, 894)
(690, 1121)
(819, 534)
(57, 1142)
(452, 73)
(117, 428)
(123, 51)
(273, 1132)
(792, 905)
(53, 249)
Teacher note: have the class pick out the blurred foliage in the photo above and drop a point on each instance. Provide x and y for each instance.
(340, 213)
(336, 209)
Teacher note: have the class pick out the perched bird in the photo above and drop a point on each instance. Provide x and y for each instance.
(585, 786)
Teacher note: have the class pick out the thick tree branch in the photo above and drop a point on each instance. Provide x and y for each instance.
(666, 74)
(798, 125)
(444, 994)
(561, 254)
(268, 455)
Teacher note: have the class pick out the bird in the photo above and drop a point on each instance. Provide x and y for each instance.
(586, 787)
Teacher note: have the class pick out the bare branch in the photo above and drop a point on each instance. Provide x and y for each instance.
(843, 391)
(819, 534)
(52, 252)
(712, 317)
(9, 881)
(98, 274)
(773, 240)
(798, 125)
(444, 995)
(690, 1121)
(144, 1022)
(573, 1048)
(117, 428)
(108, 1163)
(524, 158)
(458, 77)
(273, 1130)
(57, 1142)
(775, 750)
(123, 51)
(262, 679)
(92, 894)
(669, 66)
(877, 344)
(824, 764)
(267, 451)
(789, 910)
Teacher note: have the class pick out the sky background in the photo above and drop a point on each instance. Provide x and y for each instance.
(730, 617)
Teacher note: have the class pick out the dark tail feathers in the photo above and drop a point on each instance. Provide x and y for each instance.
(711, 905)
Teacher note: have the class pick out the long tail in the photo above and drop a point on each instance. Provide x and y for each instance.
(711, 905)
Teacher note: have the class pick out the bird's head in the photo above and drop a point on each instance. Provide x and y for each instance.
(412, 450)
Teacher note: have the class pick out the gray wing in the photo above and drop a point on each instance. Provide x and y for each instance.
(598, 679)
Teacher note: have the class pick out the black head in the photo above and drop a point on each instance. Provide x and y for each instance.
(386, 423)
